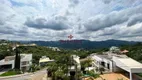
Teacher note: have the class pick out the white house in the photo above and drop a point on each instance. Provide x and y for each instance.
(9, 61)
(116, 63)
(54, 48)
(75, 63)
(3, 43)
(44, 60)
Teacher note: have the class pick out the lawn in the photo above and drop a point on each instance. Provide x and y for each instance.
(10, 73)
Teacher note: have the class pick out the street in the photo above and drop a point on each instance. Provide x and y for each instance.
(40, 75)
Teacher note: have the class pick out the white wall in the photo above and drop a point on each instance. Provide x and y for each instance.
(108, 62)
(118, 63)
(98, 59)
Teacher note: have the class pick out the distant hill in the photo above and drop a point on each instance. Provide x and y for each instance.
(81, 44)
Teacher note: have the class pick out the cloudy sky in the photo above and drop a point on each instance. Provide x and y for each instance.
(85, 19)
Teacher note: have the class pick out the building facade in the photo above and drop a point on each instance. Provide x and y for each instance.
(112, 62)
(9, 61)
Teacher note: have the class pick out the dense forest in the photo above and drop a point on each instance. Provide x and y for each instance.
(135, 51)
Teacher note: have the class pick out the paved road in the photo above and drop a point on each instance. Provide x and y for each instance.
(35, 76)
(39, 75)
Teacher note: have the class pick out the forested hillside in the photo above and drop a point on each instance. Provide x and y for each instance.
(39, 51)
(5, 51)
(135, 51)
(82, 44)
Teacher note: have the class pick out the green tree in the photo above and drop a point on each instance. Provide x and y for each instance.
(52, 67)
(17, 59)
(101, 69)
(86, 63)
(59, 74)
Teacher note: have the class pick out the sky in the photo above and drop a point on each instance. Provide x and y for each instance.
(51, 20)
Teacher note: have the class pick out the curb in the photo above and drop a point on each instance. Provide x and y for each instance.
(20, 75)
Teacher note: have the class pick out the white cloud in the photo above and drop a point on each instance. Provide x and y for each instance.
(6, 13)
(84, 19)
(112, 19)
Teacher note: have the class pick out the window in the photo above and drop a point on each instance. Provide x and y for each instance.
(25, 62)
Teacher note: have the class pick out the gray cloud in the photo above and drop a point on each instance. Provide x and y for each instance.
(129, 33)
(114, 18)
(109, 31)
(134, 20)
(5, 19)
(106, 1)
(6, 30)
(124, 31)
(1, 22)
(73, 3)
(103, 22)
(59, 23)
(115, 32)
(11, 29)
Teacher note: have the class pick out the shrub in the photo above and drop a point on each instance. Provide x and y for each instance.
(91, 73)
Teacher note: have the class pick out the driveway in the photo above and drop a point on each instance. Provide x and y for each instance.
(112, 76)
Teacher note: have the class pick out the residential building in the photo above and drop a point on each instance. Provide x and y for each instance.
(75, 65)
(9, 61)
(3, 43)
(54, 48)
(112, 62)
(45, 60)
(32, 44)
(76, 61)
(124, 51)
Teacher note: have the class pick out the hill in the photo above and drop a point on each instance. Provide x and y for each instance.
(81, 44)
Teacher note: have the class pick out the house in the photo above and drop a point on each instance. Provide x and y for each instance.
(3, 43)
(76, 62)
(9, 61)
(112, 62)
(32, 44)
(54, 48)
(43, 61)
(114, 49)
(124, 51)
(75, 65)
